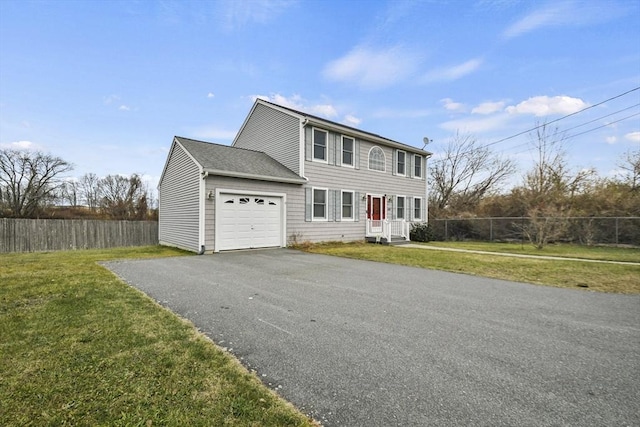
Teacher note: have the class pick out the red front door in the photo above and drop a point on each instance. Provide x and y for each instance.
(375, 208)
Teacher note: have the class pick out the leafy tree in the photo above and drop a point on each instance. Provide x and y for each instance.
(29, 181)
(465, 174)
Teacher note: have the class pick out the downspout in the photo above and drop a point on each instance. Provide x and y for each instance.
(302, 148)
(203, 210)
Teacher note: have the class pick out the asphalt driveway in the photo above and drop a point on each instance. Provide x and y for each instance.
(359, 343)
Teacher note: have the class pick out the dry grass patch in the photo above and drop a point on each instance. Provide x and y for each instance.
(79, 347)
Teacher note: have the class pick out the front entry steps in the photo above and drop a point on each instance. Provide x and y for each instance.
(395, 240)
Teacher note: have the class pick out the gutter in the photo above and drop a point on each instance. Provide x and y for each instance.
(254, 176)
(367, 136)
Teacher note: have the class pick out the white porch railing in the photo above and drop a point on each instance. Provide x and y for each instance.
(386, 229)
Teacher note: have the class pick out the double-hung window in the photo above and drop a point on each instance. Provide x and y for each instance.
(347, 205)
(347, 151)
(401, 162)
(417, 208)
(400, 207)
(319, 204)
(320, 138)
(417, 166)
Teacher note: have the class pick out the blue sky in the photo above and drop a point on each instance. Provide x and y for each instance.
(107, 84)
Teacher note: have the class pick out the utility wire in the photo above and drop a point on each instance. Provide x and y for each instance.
(600, 127)
(602, 117)
(563, 117)
(581, 133)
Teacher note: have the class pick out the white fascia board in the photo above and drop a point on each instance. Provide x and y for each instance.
(256, 177)
(366, 136)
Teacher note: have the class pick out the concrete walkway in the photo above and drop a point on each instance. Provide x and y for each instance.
(553, 258)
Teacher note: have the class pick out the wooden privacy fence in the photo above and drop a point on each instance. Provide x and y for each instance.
(33, 235)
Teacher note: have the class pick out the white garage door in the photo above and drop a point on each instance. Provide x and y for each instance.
(249, 221)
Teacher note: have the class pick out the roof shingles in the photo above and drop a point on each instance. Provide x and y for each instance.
(216, 158)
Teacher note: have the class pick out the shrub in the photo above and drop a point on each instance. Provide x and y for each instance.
(421, 232)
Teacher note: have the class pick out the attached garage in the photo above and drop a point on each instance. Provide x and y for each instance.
(217, 198)
(248, 220)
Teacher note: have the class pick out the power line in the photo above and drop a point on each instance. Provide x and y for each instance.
(600, 127)
(563, 117)
(582, 133)
(603, 117)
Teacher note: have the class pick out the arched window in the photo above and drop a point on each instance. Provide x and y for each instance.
(376, 159)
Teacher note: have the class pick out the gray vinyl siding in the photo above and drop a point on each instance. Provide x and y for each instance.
(294, 208)
(178, 209)
(274, 133)
(362, 181)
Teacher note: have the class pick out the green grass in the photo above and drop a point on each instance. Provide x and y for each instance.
(560, 250)
(79, 347)
(560, 273)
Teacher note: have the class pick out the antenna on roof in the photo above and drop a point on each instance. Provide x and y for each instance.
(426, 141)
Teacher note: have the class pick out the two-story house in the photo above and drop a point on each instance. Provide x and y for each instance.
(290, 177)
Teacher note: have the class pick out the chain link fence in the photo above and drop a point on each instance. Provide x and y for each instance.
(580, 230)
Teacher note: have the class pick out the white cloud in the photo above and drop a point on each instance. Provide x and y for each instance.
(611, 140)
(541, 106)
(553, 14)
(488, 107)
(371, 68)
(351, 120)
(633, 136)
(21, 145)
(240, 13)
(296, 102)
(124, 108)
(565, 13)
(210, 95)
(450, 105)
(453, 72)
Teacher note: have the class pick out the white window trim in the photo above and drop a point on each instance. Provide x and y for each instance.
(313, 204)
(415, 157)
(404, 163)
(413, 214)
(353, 205)
(353, 152)
(384, 160)
(404, 207)
(313, 145)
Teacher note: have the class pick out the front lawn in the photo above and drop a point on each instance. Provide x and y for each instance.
(560, 273)
(80, 347)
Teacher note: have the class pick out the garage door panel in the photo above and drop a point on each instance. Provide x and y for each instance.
(249, 221)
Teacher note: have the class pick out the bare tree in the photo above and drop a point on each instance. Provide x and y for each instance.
(124, 197)
(630, 164)
(550, 187)
(465, 173)
(70, 192)
(29, 181)
(90, 190)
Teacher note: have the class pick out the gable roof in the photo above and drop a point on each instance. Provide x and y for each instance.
(223, 160)
(342, 128)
